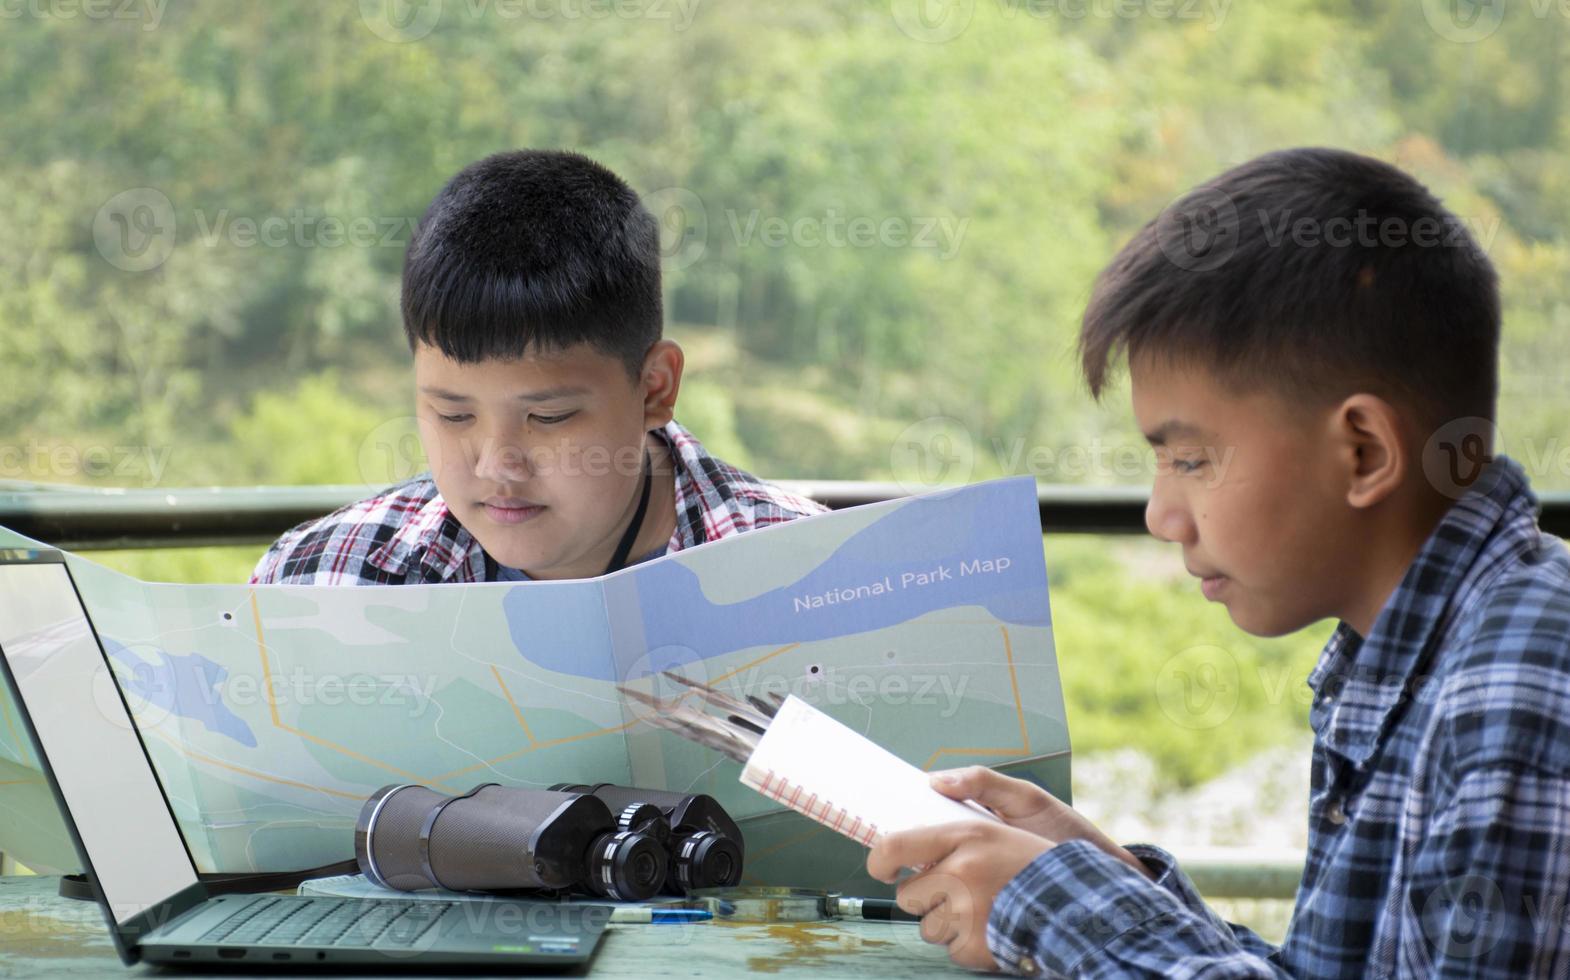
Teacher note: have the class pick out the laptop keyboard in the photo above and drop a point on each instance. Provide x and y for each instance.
(329, 922)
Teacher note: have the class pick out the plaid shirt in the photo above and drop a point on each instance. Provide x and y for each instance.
(406, 535)
(1439, 813)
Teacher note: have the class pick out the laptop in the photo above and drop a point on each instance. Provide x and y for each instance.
(141, 871)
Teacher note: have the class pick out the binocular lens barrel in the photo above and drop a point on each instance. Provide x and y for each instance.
(705, 860)
(647, 819)
(705, 848)
(496, 838)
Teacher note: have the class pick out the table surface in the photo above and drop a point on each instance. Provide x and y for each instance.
(44, 935)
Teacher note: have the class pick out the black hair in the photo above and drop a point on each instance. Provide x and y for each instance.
(1315, 272)
(534, 250)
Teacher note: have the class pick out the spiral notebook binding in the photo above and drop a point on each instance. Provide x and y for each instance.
(837, 819)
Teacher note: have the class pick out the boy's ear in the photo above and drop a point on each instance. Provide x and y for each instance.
(1367, 434)
(660, 380)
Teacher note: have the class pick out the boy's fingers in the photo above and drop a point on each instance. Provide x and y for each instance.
(943, 901)
(923, 893)
(915, 848)
(939, 926)
(917, 896)
(1013, 799)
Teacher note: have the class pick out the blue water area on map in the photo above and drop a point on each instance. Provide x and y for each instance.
(560, 626)
(861, 587)
(184, 684)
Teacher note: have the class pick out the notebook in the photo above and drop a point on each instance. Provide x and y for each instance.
(843, 780)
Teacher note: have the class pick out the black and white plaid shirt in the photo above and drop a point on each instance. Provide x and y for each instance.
(406, 534)
(1439, 808)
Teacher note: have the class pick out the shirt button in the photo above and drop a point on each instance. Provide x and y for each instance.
(1028, 967)
(1336, 813)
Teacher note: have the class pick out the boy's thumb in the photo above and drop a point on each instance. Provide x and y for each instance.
(1010, 798)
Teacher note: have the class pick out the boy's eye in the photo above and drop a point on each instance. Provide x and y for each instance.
(553, 419)
(453, 419)
(1166, 459)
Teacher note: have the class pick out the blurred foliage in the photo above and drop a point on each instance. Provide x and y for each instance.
(1127, 624)
(1001, 168)
(230, 564)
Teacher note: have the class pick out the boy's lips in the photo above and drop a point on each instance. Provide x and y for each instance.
(1210, 583)
(510, 510)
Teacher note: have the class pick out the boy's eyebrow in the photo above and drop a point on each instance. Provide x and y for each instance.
(1174, 429)
(532, 396)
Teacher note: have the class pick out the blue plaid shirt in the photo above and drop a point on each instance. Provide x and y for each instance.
(1439, 813)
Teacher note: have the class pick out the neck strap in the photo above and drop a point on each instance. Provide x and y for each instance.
(629, 536)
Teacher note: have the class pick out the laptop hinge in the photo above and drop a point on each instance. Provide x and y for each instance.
(129, 934)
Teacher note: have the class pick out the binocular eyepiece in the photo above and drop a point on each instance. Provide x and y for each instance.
(496, 838)
(705, 846)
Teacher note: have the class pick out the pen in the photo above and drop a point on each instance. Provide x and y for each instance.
(875, 909)
(660, 916)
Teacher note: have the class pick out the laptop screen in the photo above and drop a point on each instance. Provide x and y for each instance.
(104, 774)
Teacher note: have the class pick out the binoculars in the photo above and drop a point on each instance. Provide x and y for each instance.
(705, 846)
(609, 841)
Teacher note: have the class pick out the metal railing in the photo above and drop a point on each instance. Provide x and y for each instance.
(82, 519)
(1243, 875)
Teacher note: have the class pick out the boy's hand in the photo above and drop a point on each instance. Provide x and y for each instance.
(967, 864)
(1027, 806)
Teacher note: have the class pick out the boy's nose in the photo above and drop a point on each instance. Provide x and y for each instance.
(501, 461)
(1166, 518)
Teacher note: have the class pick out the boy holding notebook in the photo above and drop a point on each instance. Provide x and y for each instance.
(1335, 333)
(545, 397)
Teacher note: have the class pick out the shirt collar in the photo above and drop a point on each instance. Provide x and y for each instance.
(1362, 680)
(693, 470)
(442, 544)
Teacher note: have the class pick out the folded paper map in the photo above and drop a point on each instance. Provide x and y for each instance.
(272, 711)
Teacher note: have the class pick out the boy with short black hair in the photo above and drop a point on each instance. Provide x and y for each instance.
(545, 397)
(1321, 321)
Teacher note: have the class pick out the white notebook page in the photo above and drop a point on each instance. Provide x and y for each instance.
(843, 770)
